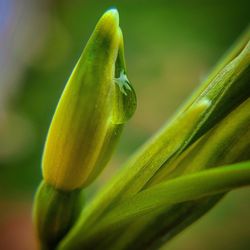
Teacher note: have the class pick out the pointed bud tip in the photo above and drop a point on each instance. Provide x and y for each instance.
(111, 15)
(113, 11)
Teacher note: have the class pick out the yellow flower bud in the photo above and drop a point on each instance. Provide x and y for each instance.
(96, 102)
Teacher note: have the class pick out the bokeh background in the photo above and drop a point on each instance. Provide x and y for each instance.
(170, 47)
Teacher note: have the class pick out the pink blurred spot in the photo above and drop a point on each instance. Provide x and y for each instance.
(16, 229)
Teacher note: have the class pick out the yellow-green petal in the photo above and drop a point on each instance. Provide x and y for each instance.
(79, 140)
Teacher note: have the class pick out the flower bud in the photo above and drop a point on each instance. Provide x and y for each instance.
(54, 213)
(96, 102)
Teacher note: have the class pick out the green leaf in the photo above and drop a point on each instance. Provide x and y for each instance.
(233, 52)
(190, 187)
(226, 143)
(226, 91)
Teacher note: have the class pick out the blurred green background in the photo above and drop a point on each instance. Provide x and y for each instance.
(170, 47)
